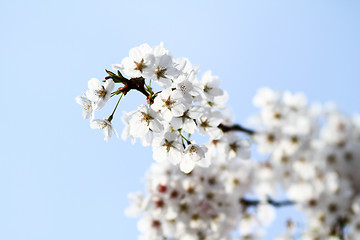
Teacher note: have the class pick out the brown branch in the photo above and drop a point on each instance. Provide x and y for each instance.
(137, 84)
(129, 84)
(339, 228)
(249, 203)
(236, 127)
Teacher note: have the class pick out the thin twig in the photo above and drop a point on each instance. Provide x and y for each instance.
(248, 202)
(236, 127)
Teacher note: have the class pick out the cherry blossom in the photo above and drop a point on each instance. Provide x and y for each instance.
(145, 119)
(106, 126)
(98, 93)
(206, 183)
(88, 111)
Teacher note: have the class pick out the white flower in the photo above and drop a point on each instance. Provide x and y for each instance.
(266, 141)
(266, 181)
(247, 224)
(168, 148)
(265, 97)
(169, 104)
(98, 93)
(140, 62)
(151, 228)
(218, 102)
(188, 86)
(185, 66)
(300, 192)
(266, 213)
(193, 155)
(186, 120)
(210, 85)
(164, 71)
(305, 170)
(294, 101)
(274, 117)
(88, 111)
(234, 147)
(164, 67)
(138, 204)
(144, 120)
(208, 125)
(106, 126)
(126, 120)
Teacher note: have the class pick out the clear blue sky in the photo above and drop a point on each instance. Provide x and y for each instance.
(58, 178)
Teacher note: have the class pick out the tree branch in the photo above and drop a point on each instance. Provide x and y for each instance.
(339, 228)
(248, 202)
(236, 127)
(129, 84)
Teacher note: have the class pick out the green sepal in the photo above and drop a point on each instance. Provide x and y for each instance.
(116, 78)
(117, 92)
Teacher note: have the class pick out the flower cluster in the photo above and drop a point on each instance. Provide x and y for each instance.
(94, 99)
(206, 204)
(313, 152)
(204, 191)
(183, 105)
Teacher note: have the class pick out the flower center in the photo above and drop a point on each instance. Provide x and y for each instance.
(168, 103)
(140, 65)
(168, 145)
(207, 88)
(160, 72)
(204, 124)
(101, 93)
(234, 146)
(146, 118)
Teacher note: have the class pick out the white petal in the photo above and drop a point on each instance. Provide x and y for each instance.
(109, 86)
(107, 133)
(178, 110)
(204, 162)
(160, 154)
(174, 156)
(94, 84)
(138, 130)
(176, 123)
(115, 132)
(156, 126)
(97, 124)
(186, 165)
(214, 133)
(117, 67)
(189, 126)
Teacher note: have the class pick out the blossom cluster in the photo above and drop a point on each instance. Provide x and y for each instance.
(203, 191)
(184, 105)
(206, 204)
(313, 152)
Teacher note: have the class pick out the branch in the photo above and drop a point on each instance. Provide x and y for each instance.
(138, 84)
(339, 228)
(236, 127)
(270, 201)
(129, 84)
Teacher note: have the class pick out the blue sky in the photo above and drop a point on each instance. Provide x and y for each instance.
(58, 178)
